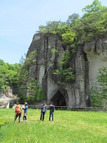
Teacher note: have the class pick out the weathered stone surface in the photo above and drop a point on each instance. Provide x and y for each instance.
(97, 57)
(85, 62)
(49, 55)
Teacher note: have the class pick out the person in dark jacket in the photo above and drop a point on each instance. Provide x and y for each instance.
(51, 108)
(43, 111)
(25, 112)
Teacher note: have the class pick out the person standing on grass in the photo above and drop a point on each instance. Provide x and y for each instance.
(43, 111)
(51, 108)
(18, 111)
(25, 112)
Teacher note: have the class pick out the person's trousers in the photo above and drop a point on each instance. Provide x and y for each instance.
(25, 117)
(42, 116)
(51, 113)
(18, 115)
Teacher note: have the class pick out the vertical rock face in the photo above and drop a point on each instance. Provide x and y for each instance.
(78, 92)
(49, 55)
(97, 56)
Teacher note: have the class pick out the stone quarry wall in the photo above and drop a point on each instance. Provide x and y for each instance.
(72, 94)
(97, 56)
(85, 63)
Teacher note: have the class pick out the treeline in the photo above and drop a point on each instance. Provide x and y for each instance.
(77, 30)
(9, 75)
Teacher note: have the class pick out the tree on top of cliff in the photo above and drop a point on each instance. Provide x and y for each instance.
(95, 7)
(94, 21)
(76, 31)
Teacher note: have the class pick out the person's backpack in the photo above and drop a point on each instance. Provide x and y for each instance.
(18, 110)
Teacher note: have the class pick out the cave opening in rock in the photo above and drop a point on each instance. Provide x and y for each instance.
(58, 99)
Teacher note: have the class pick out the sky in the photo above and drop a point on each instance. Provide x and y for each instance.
(20, 20)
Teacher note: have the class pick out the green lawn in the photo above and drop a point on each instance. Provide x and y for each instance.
(68, 127)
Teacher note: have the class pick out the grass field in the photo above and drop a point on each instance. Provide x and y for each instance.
(68, 127)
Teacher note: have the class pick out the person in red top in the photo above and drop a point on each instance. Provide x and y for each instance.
(18, 111)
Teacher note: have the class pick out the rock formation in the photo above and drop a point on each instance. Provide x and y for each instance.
(85, 63)
(8, 98)
(97, 57)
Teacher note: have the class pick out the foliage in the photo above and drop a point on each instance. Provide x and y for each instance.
(66, 59)
(66, 74)
(72, 17)
(30, 60)
(95, 7)
(102, 79)
(54, 27)
(1, 103)
(77, 31)
(99, 96)
(68, 127)
(9, 75)
(68, 38)
(28, 84)
(35, 92)
(94, 21)
(54, 50)
(96, 98)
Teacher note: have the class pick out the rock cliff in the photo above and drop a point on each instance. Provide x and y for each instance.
(85, 62)
(97, 57)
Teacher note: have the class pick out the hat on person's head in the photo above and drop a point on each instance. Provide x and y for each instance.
(25, 103)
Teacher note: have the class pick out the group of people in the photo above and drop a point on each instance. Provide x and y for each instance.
(44, 109)
(18, 111)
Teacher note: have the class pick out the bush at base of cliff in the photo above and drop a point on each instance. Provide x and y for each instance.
(99, 96)
(32, 90)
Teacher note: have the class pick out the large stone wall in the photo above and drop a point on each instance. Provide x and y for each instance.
(49, 55)
(86, 63)
(97, 57)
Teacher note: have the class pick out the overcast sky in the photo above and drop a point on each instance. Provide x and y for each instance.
(20, 20)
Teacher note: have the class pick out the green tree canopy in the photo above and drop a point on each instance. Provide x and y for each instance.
(9, 75)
